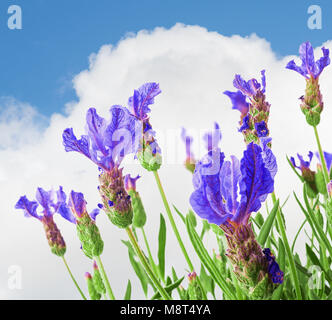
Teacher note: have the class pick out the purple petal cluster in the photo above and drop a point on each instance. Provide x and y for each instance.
(75, 208)
(130, 183)
(218, 183)
(303, 164)
(251, 87)
(141, 100)
(45, 200)
(106, 142)
(310, 67)
(212, 138)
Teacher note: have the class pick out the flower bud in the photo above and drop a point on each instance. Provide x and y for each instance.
(97, 279)
(93, 293)
(116, 201)
(320, 180)
(194, 289)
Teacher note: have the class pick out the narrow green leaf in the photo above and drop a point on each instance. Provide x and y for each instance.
(161, 246)
(207, 261)
(168, 288)
(128, 291)
(267, 226)
(180, 214)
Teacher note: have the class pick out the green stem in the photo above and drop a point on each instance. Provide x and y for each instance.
(72, 277)
(171, 219)
(149, 253)
(146, 266)
(104, 277)
(322, 158)
(288, 251)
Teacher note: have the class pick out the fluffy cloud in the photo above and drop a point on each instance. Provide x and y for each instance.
(193, 67)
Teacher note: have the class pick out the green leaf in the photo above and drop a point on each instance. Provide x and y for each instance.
(267, 226)
(139, 270)
(192, 216)
(208, 262)
(207, 281)
(128, 291)
(180, 214)
(161, 246)
(168, 288)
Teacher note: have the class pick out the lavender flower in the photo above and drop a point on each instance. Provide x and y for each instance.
(106, 144)
(49, 208)
(254, 112)
(190, 159)
(149, 153)
(312, 102)
(217, 184)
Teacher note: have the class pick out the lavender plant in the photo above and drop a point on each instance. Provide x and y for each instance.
(255, 259)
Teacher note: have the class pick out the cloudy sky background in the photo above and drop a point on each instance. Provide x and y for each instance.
(193, 67)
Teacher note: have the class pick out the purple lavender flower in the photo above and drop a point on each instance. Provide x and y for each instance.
(309, 67)
(255, 113)
(217, 182)
(106, 143)
(49, 208)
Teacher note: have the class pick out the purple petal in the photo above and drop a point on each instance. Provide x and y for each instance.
(122, 134)
(245, 123)
(262, 130)
(323, 62)
(292, 66)
(308, 60)
(45, 198)
(206, 200)
(130, 183)
(77, 203)
(29, 207)
(96, 128)
(238, 100)
(94, 213)
(142, 98)
(256, 182)
(72, 144)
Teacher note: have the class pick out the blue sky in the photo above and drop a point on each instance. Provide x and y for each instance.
(38, 62)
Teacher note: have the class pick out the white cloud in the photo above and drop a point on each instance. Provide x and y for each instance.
(193, 67)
